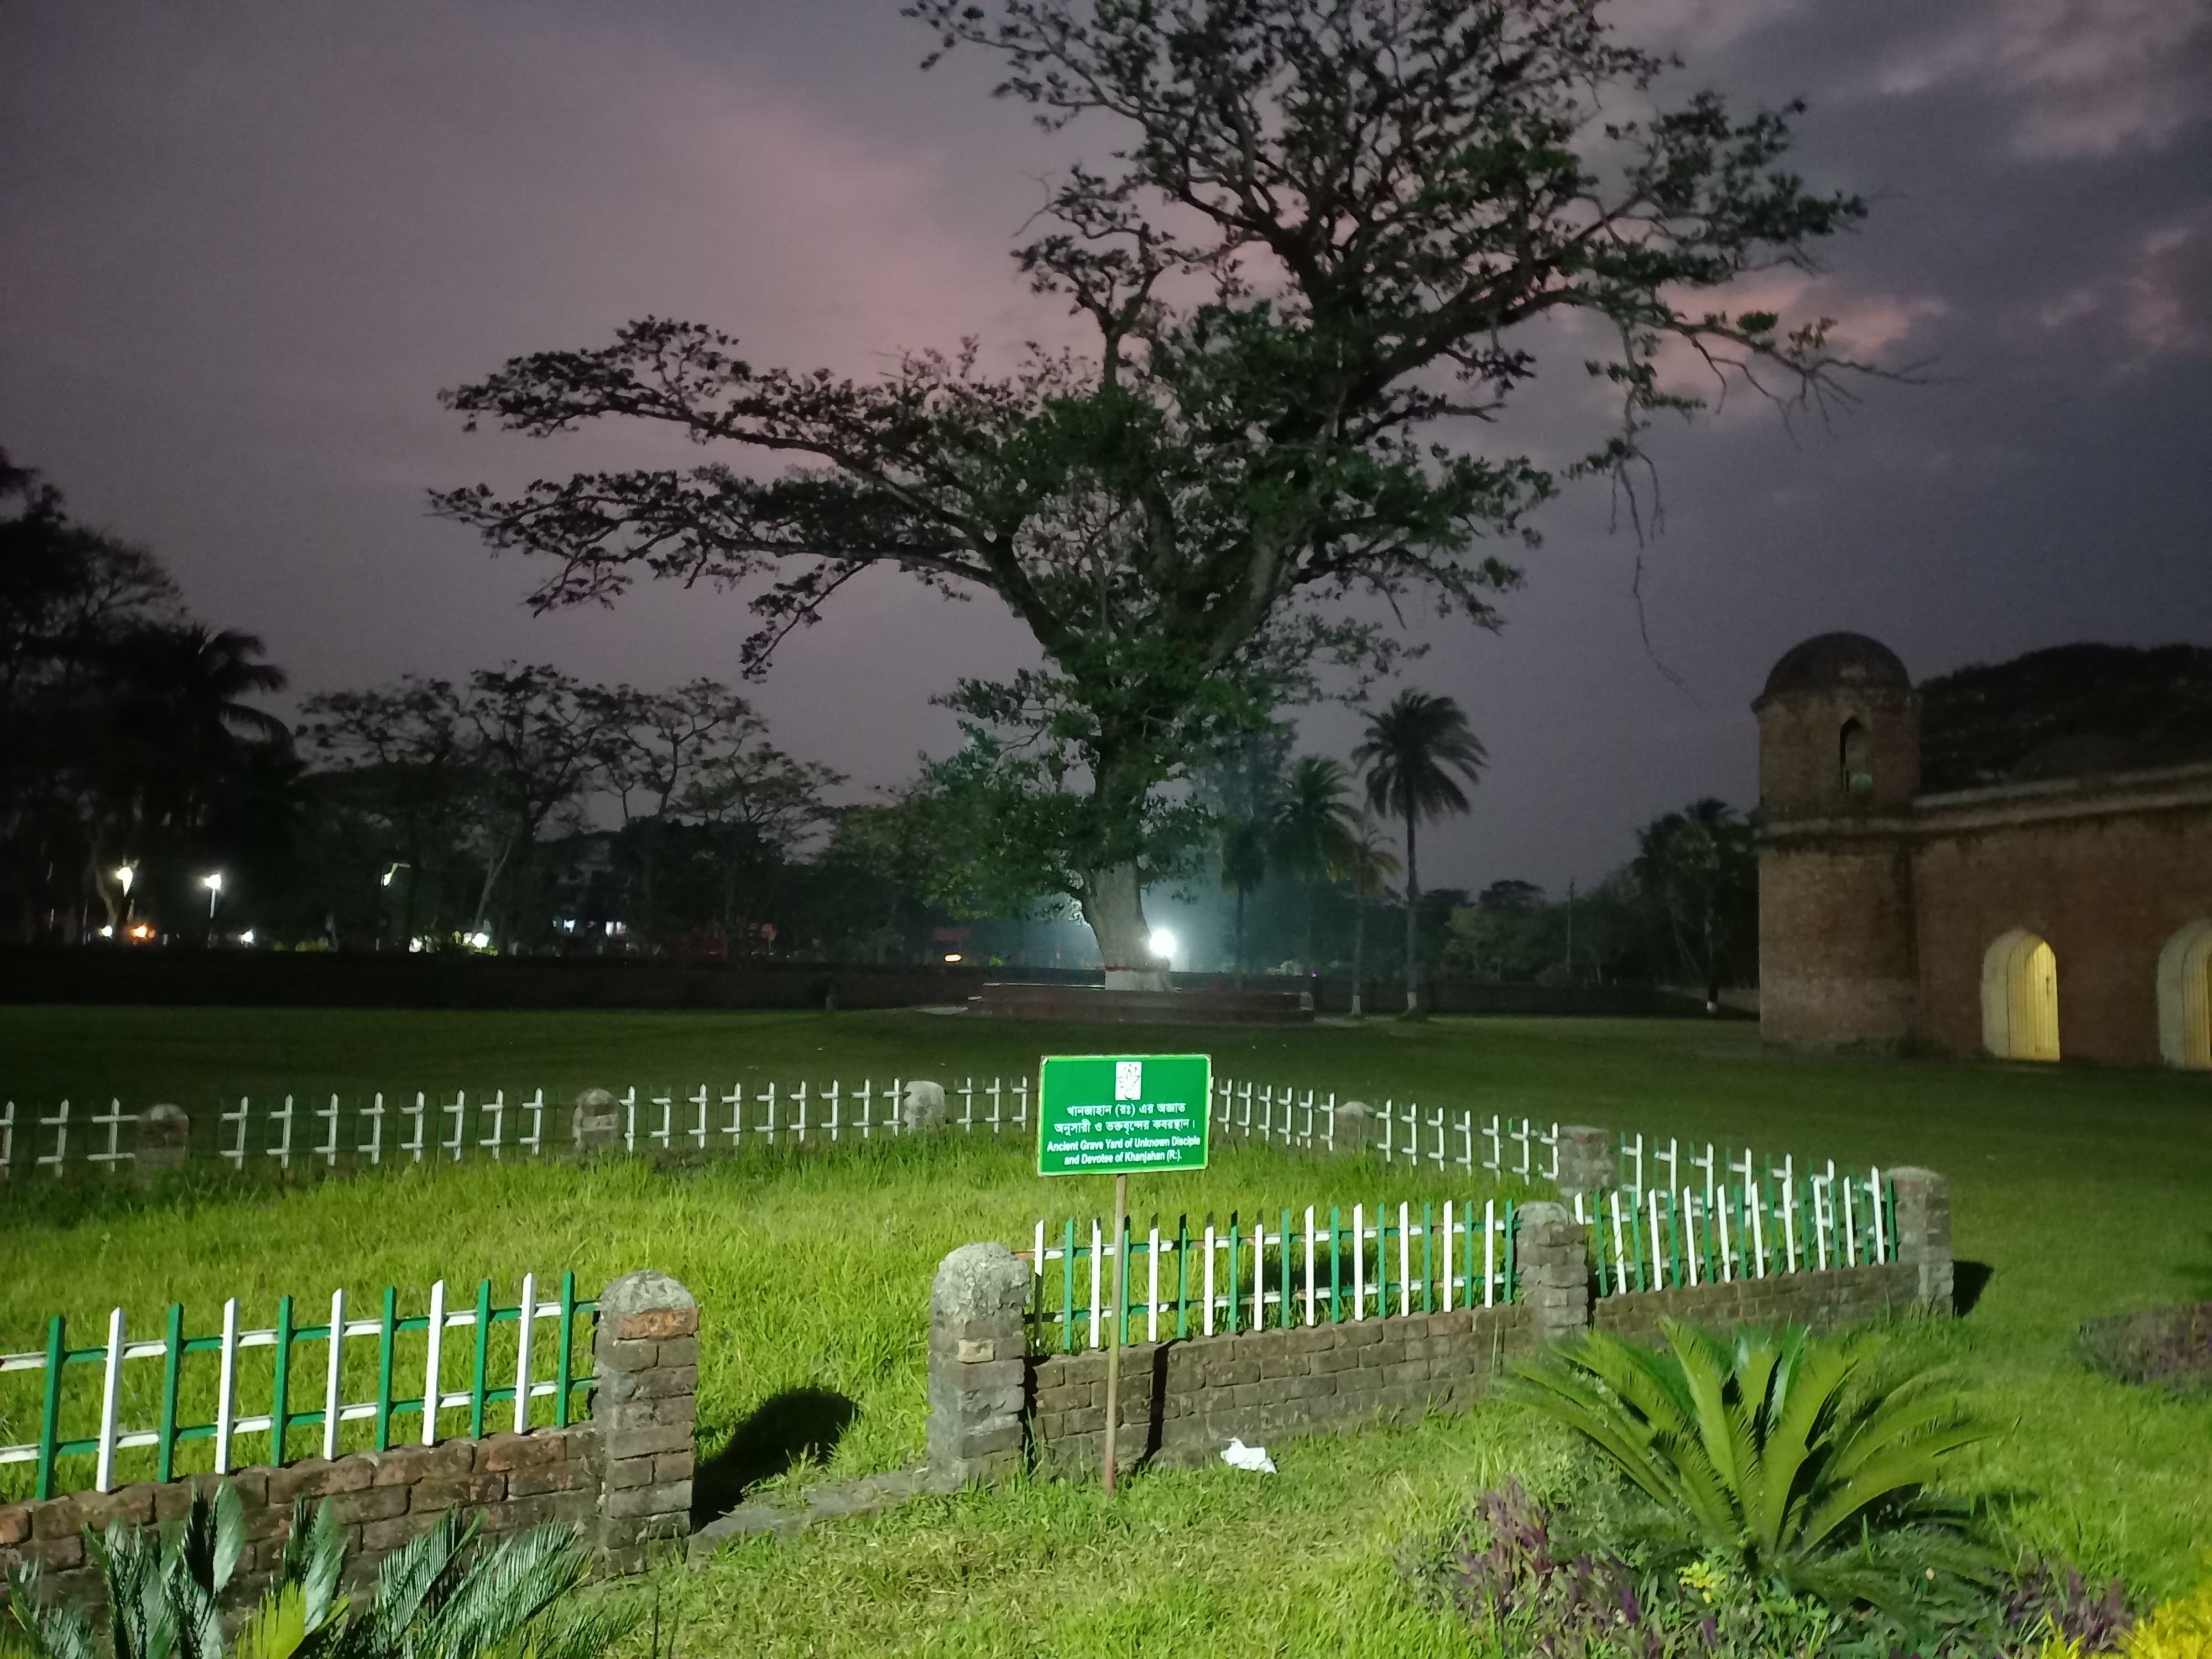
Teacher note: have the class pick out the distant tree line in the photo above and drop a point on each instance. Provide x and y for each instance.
(142, 796)
(1309, 882)
(521, 808)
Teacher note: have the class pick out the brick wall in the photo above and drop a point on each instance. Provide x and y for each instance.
(2107, 873)
(1182, 1402)
(623, 1478)
(1877, 908)
(381, 1499)
(991, 1410)
(1822, 1302)
(1836, 966)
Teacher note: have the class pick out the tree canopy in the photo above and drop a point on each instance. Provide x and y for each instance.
(1307, 271)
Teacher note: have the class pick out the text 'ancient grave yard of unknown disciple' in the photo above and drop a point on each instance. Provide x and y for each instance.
(1104, 1113)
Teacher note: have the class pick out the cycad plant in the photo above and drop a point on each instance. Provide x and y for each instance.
(436, 1598)
(1800, 1464)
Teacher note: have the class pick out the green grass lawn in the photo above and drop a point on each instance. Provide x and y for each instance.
(2082, 1191)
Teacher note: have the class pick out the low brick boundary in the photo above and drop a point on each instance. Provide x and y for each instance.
(381, 1500)
(995, 1409)
(1822, 1302)
(1182, 1402)
(623, 1477)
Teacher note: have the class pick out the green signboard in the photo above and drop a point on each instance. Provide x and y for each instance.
(1123, 1114)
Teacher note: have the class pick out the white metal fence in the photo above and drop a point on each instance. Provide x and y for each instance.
(330, 1130)
(1314, 1120)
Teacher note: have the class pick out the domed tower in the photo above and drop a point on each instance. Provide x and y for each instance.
(1838, 766)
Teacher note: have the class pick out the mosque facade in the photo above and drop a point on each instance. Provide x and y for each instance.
(2053, 917)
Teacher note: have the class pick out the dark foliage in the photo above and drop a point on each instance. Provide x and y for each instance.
(2071, 709)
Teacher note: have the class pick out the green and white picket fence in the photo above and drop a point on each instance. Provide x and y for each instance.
(1759, 1228)
(1322, 1268)
(447, 1127)
(413, 1393)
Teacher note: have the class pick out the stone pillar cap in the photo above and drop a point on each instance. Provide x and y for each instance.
(644, 1291)
(1544, 1211)
(979, 1281)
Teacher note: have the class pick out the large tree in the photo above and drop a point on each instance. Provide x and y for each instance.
(1317, 254)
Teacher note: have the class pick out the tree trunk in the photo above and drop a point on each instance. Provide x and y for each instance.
(1113, 905)
(1240, 938)
(1358, 950)
(1412, 925)
(1306, 947)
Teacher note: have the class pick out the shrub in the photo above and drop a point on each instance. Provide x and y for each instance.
(1794, 1463)
(434, 1599)
(2180, 1629)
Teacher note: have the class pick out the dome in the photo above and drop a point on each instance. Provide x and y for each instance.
(1833, 662)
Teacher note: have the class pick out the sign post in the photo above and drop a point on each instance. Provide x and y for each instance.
(1112, 1114)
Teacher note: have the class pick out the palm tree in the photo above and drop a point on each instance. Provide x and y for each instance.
(1412, 748)
(1315, 828)
(1243, 868)
(1368, 868)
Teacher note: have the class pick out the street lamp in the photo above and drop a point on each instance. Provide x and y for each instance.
(214, 884)
(124, 875)
(1162, 943)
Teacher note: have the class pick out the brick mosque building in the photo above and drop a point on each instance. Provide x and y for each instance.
(2063, 909)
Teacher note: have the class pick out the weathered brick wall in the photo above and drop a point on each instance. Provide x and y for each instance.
(1878, 907)
(381, 1500)
(1836, 966)
(1800, 772)
(1182, 1402)
(1822, 1302)
(2107, 873)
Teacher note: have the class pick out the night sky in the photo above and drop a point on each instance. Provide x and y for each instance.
(242, 246)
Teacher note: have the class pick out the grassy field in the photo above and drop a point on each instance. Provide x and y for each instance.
(2081, 1192)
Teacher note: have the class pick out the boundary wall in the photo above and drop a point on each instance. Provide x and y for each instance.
(996, 1409)
(623, 1477)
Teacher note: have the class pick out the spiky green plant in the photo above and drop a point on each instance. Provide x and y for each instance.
(436, 1598)
(1809, 1466)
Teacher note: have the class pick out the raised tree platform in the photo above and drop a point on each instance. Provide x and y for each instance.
(1090, 1004)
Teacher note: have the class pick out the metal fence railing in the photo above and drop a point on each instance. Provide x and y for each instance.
(106, 1409)
(1261, 1272)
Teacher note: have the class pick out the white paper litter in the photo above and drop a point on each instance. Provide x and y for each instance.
(1238, 1456)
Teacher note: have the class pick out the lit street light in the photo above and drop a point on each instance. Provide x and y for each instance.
(214, 884)
(1162, 943)
(124, 875)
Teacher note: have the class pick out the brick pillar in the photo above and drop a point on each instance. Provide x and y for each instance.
(1924, 1233)
(1586, 1159)
(646, 1405)
(596, 1125)
(977, 1363)
(1552, 1258)
(165, 1135)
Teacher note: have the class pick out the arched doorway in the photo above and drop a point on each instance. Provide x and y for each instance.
(2020, 997)
(2184, 998)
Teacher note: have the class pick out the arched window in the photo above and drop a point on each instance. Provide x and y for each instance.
(1857, 756)
(2184, 998)
(2020, 997)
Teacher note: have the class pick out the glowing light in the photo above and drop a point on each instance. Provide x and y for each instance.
(124, 875)
(952, 956)
(246, 938)
(143, 931)
(482, 941)
(213, 882)
(107, 933)
(1162, 943)
(414, 945)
